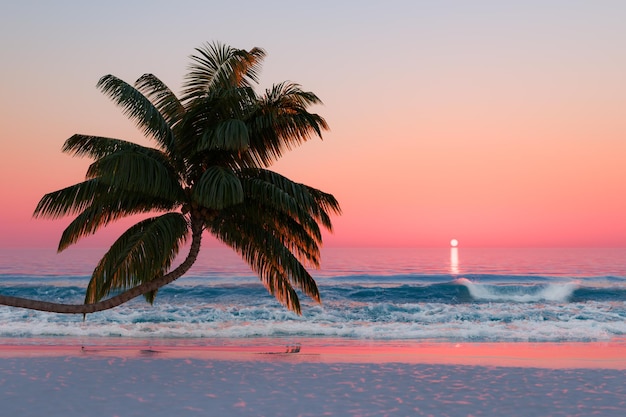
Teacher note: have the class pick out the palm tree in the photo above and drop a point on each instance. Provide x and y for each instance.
(209, 171)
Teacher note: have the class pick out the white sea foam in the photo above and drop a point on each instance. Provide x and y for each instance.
(559, 292)
(398, 305)
(384, 321)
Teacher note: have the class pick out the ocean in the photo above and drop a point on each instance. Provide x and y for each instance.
(445, 294)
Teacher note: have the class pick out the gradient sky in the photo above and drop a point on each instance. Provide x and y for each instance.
(495, 123)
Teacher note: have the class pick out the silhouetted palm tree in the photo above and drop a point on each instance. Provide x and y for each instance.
(208, 172)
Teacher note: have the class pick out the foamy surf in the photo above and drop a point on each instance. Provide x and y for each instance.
(460, 310)
(557, 292)
(371, 295)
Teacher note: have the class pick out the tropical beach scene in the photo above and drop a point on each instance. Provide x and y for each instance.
(406, 208)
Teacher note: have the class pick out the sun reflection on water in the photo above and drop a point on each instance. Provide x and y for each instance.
(454, 261)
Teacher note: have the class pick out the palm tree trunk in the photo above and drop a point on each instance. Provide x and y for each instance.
(196, 226)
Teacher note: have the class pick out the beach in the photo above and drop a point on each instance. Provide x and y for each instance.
(277, 377)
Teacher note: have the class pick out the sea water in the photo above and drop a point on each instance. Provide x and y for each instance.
(458, 294)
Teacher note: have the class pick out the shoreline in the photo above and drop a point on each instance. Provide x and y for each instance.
(549, 355)
(326, 377)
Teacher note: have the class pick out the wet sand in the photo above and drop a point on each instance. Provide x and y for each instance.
(316, 377)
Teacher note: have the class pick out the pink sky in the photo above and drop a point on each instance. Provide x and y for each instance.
(492, 123)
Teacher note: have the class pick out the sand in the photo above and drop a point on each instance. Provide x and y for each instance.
(309, 378)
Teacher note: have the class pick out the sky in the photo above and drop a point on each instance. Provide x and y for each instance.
(500, 124)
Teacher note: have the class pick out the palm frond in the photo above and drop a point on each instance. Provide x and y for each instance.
(214, 122)
(138, 171)
(162, 97)
(86, 223)
(281, 121)
(275, 265)
(325, 204)
(316, 203)
(290, 95)
(303, 242)
(97, 147)
(70, 200)
(140, 109)
(142, 253)
(267, 195)
(109, 207)
(218, 188)
(217, 65)
(229, 135)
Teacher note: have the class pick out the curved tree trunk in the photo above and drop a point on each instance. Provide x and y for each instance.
(120, 298)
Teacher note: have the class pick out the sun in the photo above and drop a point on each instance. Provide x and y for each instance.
(454, 243)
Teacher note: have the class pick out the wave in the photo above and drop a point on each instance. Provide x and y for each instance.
(380, 321)
(561, 292)
(375, 290)
(487, 308)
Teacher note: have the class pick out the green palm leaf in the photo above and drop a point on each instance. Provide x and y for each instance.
(283, 226)
(276, 266)
(289, 95)
(213, 122)
(164, 100)
(229, 135)
(325, 205)
(137, 107)
(112, 206)
(218, 188)
(71, 200)
(221, 66)
(87, 223)
(269, 195)
(143, 252)
(281, 121)
(136, 171)
(96, 147)
(318, 204)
